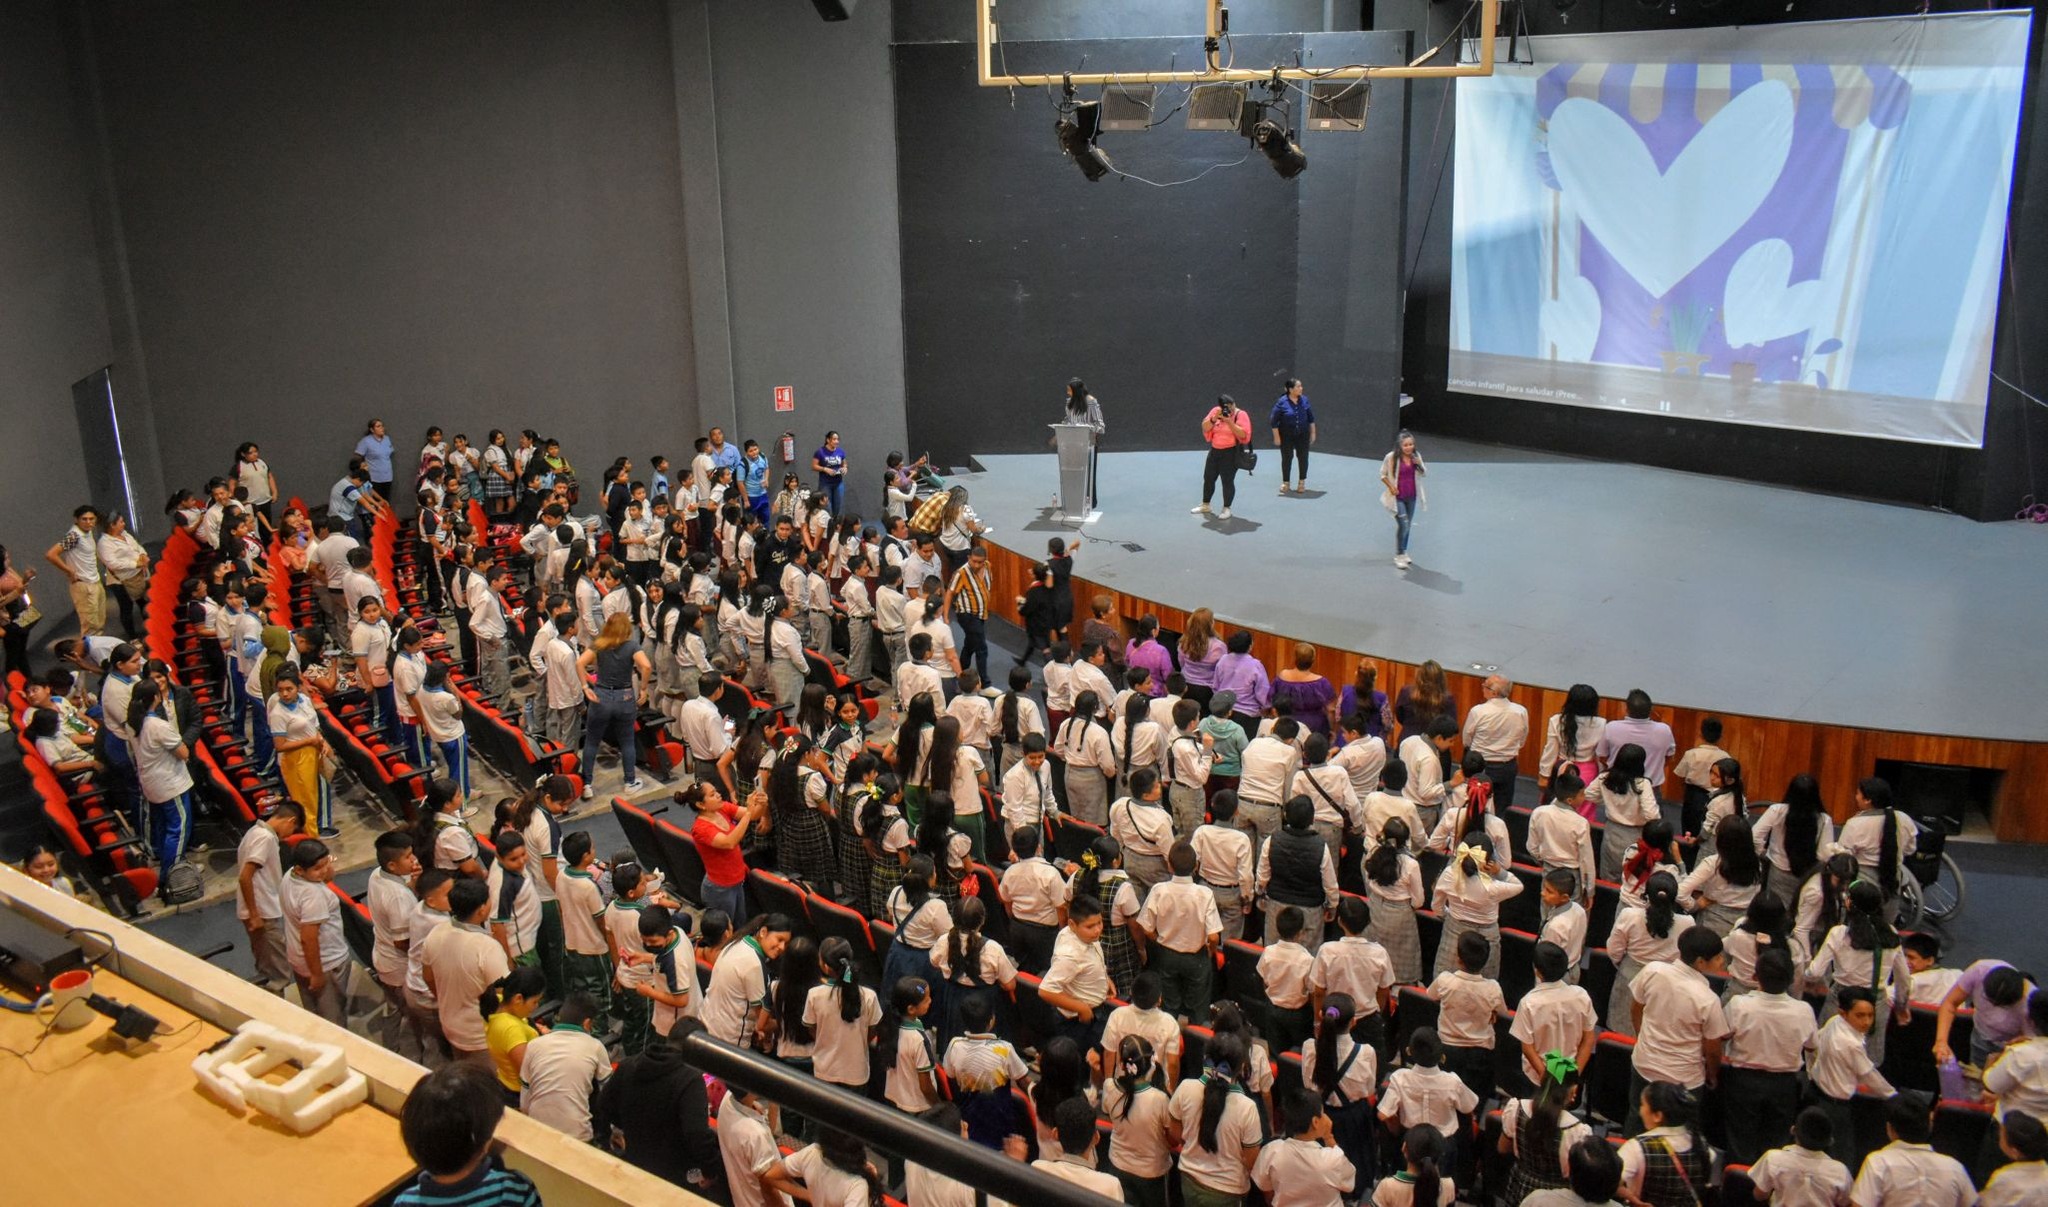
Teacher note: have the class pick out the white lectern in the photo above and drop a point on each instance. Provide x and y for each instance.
(1076, 443)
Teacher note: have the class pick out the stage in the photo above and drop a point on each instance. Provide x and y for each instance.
(1710, 594)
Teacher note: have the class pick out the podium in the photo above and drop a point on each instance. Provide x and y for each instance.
(1076, 444)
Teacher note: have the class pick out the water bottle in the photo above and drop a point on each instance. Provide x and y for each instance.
(1953, 1087)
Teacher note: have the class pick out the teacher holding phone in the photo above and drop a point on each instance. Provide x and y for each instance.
(1228, 432)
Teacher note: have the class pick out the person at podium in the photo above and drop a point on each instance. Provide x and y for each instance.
(1082, 408)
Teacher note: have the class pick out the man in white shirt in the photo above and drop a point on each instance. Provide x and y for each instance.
(460, 961)
(1908, 1172)
(327, 563)
(312, 937)
(260, 879)
(1770, 1034)
(702, 729)
(1266, 777)
(77, 557)
(1496, 730)
(1423, 755)
(1678, 1019)
(563, 1068)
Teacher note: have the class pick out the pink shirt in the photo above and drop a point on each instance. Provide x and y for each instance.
(1220, 433)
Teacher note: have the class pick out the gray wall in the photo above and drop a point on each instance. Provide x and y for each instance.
(457, 213)
(53, 324)
(807, 188)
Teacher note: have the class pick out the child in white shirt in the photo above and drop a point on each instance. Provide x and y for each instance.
(1284, 968)
(1802, 1174)
(1468, 1004)
(1423, 1092)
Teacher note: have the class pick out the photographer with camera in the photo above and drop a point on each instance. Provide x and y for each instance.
(1228, 432)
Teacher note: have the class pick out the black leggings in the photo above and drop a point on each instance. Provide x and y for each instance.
(1222, 463)
(1292, 449)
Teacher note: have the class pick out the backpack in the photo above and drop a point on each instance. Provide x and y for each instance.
(182, 884)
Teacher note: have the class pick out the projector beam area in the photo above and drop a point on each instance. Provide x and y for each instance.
(986, 35)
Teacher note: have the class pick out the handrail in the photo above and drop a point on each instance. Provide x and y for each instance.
(986, 1170)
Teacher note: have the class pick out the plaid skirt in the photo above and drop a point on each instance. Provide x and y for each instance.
(882, 880)
(803, 847)
(1447, 947)
(496, 487)
(854, 864)
(1393, 927)
(1120, 955)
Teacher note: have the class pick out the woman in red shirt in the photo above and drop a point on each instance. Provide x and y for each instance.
(719, 834)
(1226, 429)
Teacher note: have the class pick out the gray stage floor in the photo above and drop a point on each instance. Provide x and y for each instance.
(1705, 592)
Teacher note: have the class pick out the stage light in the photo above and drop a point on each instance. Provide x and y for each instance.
(1284, 153)
(1076, 130)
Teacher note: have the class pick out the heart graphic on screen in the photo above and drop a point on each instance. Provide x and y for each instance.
(1761, 303)
(1660, 225)
(1571, 321)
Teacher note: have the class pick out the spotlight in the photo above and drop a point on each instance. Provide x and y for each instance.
(1076, 130)
(1284, 153)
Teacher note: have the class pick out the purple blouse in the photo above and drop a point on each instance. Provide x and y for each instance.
(1404, 480)
(1375, 716)
(1201, 672)
(1245, 675)
(1153, 657)
(1307, 701)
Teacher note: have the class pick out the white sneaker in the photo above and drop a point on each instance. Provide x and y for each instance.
(1199, 509)
(1401, 560)
(1224, 514)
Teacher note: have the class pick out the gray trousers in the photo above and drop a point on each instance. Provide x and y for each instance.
(331, 1002)
(1311, 934)
(860, 648)
(1261, 819)
(492, 668)
(1188, 808)
(271, 962)
(565, 728)
(897, 646)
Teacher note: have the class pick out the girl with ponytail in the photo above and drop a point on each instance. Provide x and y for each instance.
(1721, 886)
(856, 780)
(834, 1171)
(1643, 935)
(844, 1014)
(1823, 899)
(971, 964)
(1422, 1183)
(1088, 759)
(1468, 894)
(1538, 1132)
(1879, 837)
(1765, 925)
(1667, 1162)
(1863, 952)
(506, 1004)
(1792, 834)
(1017, 716)
(1140, 1150)
(1343, 1073)
(1393, 884)
(1624, 797)
(1103, 877)
(906, 1051)
(1656, 852)
(886, 837)
(1218, 1123)
(1725, 797)
(1228, 1018)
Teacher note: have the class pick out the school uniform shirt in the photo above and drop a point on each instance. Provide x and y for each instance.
(260, 846)
(1468, 1004)
(1741, 948)
(829, 1186)
(516, 907)
(1221, 1169)
(1268, 766)
(1933, 985)
(1399, 1191)
(1570, 1128)
(1027, 795)
(1141, 828)
(1359, 1080)
(1059, 686)
(330, 558)
(1328, 787)
(1706, 880)
(1425, 772)
(356, 587)
(1138, 1137)
(739, 983)
(371, 646)
(1631, 937)
(979, 1063)
(1033, 889)
(1357, 966)
(1769, 836)
(1285, 969)
(2020, 1079)
(914, 679)
(702, 728)
(1077, 971)
(747, 1149)
(1155, 1026)
(926, 926)
(976, 719)
(1801, 1177)
(1912, 1175)
(1223, 858)
(1772, 1032)
(582, 913)
(2016, 1185)
(564, 682)
(454, 843)
(841, 1055)
(1552, 1017)
(163, 775)
(996, 966)
(1088, 677)
(1363, 761)
(392, 906)
(1634, 1161)
(1863, 837)
(1560, 838)
(1083, 744)
(1586, 738)
(915, 1058)
(1841, 1063)
(543, 835)
(558, 1077)
(1838, 962)
(424, 922)
(1567, 929)
(1303, 1173)
(1433, 1096)
(622, 923)
(1079, 1171)
(441, 715)
(1476, 899)
(1681, 1012)
(1635, 804)
(310, 901)
(1694, 765)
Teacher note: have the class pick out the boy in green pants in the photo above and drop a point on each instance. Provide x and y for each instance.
(589, 951)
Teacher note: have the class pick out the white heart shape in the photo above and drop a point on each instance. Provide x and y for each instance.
(1571, 322)
(1760, 302)
(1661, 225)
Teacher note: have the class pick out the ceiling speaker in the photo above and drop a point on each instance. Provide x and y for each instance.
(1334, 105)
(1127, 108)
(1215, 106)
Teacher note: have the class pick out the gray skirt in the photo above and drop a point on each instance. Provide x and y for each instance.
(1393, 927)
(787, 682)
(1720, 918)
(1621, 1001)
(1088, 795)
(1615, 848)
(1447, 947)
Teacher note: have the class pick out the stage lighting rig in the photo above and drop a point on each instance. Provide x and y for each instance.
(1265, 123)
(1079, 123)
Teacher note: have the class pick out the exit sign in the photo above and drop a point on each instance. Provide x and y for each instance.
(785, 398)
